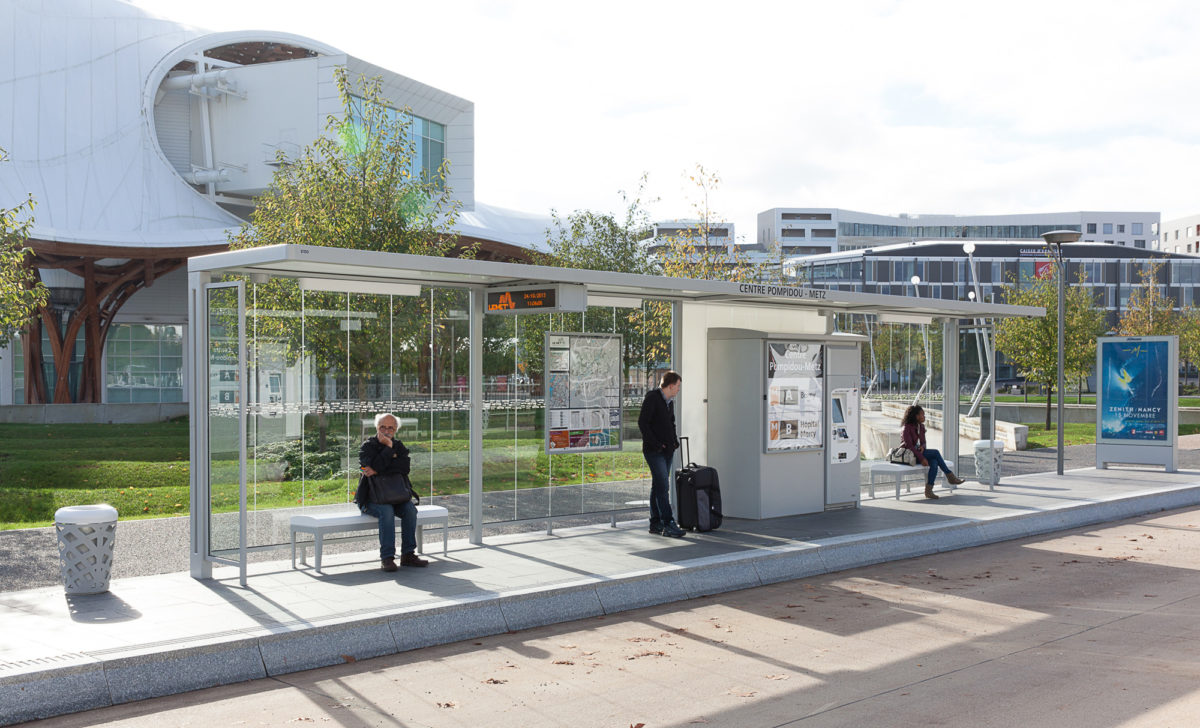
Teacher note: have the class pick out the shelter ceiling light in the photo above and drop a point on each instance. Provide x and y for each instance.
(615, 301)
(904, 318)
(337, 285)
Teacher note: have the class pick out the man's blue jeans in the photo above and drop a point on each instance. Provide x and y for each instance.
(387, 527)
(660, 480)
(935, 460)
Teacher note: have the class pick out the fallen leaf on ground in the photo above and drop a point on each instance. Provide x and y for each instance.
(779, 677)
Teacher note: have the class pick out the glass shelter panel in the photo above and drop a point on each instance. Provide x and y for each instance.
(224, 373)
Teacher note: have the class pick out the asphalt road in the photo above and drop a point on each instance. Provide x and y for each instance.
(1094, 627)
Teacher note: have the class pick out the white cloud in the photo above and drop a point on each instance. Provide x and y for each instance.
(914, 106)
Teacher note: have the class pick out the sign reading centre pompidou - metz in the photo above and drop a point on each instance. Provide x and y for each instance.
(583, 392)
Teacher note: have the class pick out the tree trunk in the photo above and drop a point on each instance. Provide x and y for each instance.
(1047, 405)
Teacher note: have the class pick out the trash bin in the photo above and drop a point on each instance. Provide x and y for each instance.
(85, 546)
(985, 465)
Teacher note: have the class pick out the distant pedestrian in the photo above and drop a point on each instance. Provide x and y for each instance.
(659, 443)
(912, 434)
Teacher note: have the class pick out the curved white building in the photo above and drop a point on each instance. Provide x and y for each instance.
(144, 141)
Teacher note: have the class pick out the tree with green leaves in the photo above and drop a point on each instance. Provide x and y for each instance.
(21, 290)
(1149, 311)
(611, 242)
(690, 253)
(1189, 337)
(357, 186)
(1031, 343)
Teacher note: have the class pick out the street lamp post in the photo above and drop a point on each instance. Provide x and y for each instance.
(1055, 239)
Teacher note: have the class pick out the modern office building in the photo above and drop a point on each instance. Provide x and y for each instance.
(1181, 235)
(802, 231)
(144, 142)
(946, 270)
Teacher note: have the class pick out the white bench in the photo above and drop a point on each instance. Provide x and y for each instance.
(884, 470)
(323, 524)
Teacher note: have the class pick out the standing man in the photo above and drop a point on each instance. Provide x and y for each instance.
(659, 443)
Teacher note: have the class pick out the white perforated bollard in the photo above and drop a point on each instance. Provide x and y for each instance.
(85, 546)
(985, 465)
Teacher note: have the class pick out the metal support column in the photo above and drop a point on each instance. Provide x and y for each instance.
(950, 422)
(197, 343)
(475, 379)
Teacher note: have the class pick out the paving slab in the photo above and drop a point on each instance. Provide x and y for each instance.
(154, 635)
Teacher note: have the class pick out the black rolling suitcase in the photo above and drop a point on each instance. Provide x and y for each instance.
(697, 495)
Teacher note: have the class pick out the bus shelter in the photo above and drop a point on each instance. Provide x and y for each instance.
(517, 386)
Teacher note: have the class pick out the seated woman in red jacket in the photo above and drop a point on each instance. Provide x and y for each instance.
(913, 437)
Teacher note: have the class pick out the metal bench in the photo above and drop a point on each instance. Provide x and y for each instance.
(884, 470)
(323, 524)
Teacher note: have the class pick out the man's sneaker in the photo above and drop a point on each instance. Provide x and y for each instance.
(672, 530)
(412, 560)
(388, 565)
(656, 529)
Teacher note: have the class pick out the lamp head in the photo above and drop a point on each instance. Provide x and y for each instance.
(915, 280)
(1058, 237)
(971, 295)
(968, 248)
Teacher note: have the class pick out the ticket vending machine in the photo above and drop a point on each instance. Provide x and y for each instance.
(783, 421)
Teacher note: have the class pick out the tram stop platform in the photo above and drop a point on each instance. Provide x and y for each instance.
(159, 635)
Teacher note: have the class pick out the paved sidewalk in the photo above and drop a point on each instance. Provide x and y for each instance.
(165, 634)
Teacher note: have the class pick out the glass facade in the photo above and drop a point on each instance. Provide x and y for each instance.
(144, 363)
(987, 232)
(428, 140)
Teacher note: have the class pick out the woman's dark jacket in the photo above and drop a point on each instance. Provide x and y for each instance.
(385, 460)
(657, 423)
(913, 437)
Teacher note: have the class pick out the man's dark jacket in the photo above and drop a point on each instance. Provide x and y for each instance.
(657, 423)
(383, 459)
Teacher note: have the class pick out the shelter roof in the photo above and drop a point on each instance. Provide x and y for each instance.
(295, 261)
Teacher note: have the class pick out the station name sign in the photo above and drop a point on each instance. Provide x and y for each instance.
(536, 299)
(781, 291)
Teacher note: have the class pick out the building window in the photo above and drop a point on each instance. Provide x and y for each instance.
(1176, 234)
(1136, 228)
(1108, 228)
(1139, 243)
(824, 233)
(1092, 228)
(791, 233)
(144, 363)
(1120, 228)
(805, 216)
(428, 140)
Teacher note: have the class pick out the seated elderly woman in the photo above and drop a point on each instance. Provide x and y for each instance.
(384, 454)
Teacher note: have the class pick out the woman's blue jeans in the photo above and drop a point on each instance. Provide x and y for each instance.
(936, 461)
(387, 514)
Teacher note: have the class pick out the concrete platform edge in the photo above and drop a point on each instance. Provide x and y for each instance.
(116, 679)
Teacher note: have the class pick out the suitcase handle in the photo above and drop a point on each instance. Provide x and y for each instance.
(687, 458)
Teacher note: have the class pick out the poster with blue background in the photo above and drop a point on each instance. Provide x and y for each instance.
(1135, 390)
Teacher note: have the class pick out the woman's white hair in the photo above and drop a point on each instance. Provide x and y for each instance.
(379, 418)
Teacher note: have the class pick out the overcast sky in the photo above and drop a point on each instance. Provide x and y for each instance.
(884, 107)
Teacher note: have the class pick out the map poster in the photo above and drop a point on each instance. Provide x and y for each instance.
(583, 392)
(1135, 390)
(795, 396)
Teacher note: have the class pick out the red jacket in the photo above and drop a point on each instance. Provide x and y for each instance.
(913, 437)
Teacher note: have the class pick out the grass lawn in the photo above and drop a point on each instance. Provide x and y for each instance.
(142, 471)
(1077, 433)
